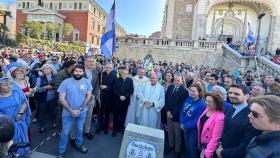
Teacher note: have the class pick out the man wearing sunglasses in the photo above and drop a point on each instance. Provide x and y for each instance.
(237, 131)
(55, 63)
(265, 116)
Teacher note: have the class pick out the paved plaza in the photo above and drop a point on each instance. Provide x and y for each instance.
(102, 146)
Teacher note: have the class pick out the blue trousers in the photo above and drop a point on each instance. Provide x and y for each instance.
(67, 122)
(191, 141)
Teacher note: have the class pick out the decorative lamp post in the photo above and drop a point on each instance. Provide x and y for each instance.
(259, 30)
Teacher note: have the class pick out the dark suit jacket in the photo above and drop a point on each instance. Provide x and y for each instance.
(174, 101)
(106, 93)
(237, 134)
(123, 88)
(94, 82)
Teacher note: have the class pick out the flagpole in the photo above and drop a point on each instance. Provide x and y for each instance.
(108, 39)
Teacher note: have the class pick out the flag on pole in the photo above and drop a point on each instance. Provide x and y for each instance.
(250, 36)
(89, 51)
(108, 39)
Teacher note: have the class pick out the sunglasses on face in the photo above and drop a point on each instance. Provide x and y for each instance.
(53, 59)
(256, 114)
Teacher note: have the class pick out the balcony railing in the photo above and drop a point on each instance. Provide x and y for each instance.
(174, 43)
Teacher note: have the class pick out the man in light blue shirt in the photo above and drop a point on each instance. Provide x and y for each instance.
(74, 95)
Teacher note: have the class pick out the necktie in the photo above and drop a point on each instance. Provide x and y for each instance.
(175, 89)
(233, 112)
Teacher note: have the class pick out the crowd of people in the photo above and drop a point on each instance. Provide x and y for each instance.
(212, 112)
(250, 50)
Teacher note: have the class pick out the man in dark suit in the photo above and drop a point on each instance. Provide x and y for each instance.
(123, 89)
(174, 98)
(238, 131)
(107, 81)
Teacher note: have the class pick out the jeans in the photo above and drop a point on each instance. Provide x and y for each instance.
(87, 123)
(191, 141)
(67, 122)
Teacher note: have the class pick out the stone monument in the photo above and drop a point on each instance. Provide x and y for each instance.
(142, 142)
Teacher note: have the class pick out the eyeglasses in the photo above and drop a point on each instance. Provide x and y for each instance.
(256, 114)
(53, 59)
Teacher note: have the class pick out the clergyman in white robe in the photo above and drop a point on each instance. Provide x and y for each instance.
(153, 100)
(135, 107)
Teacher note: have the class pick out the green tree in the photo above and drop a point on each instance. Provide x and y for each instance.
(36, 29)
(25, 26)
(67, 29)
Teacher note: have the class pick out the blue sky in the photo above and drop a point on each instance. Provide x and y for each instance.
(136, 16)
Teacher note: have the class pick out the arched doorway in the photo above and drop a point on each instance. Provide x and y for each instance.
(229, 27)
(247, 11)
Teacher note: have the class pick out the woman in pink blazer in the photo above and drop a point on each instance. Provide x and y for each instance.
(210, 125)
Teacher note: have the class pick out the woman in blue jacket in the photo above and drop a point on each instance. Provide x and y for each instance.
(192, 108)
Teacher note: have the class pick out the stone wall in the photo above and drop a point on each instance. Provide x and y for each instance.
(174, 55)
(183, 19)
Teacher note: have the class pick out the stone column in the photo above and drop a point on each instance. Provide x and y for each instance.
(274, 41)
(201, 24)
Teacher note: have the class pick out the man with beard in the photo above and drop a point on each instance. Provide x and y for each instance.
(238, 130)
(74, 95)
(123, 88)
(92, 75)
(60, 77)
(106, 86)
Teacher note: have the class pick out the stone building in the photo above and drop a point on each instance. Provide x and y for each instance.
(86, 16)
(227, 19)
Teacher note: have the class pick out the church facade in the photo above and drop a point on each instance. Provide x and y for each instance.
(231, 20)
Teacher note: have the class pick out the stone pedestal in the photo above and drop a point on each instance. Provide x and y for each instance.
(142, 142)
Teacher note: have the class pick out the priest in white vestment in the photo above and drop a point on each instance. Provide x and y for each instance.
(152, 100)
(135, 107)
